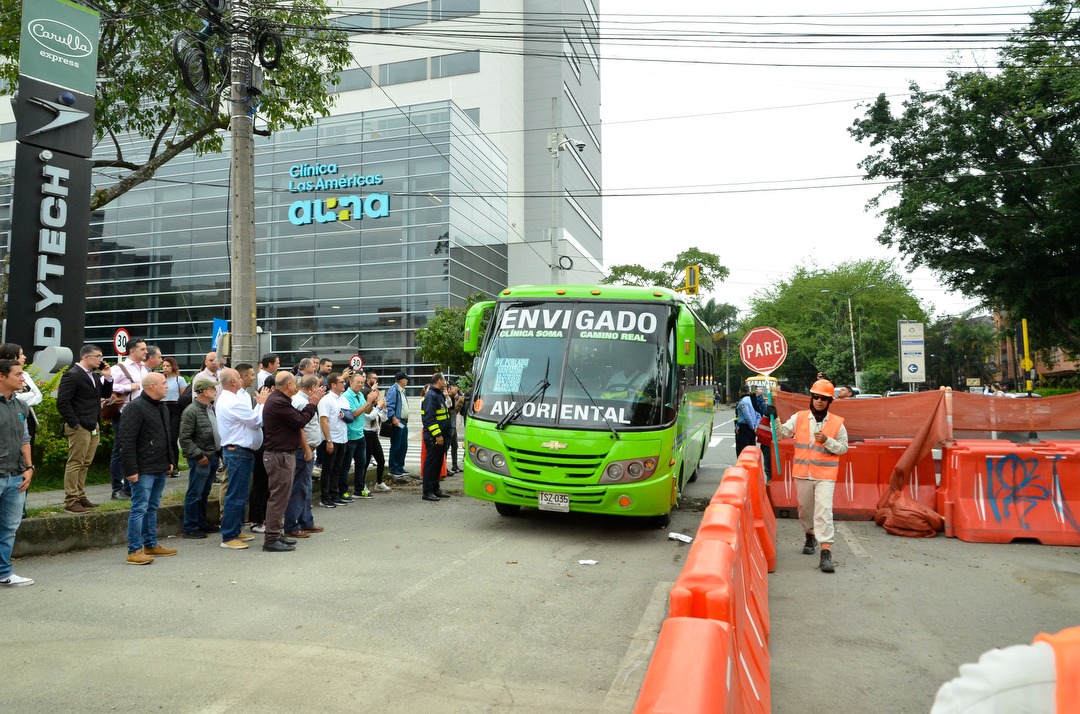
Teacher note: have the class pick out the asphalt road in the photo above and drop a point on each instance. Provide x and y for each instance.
(406, 606)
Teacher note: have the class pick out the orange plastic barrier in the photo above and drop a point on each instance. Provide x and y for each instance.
(725, 521)
(864, 476)
(712, 586)
(998, 491)
(692, 669)
(423, 457)
(764, 518)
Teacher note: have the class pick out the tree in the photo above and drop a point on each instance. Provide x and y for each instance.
(960, 346)
(815, 323)
(986, 192)
(671, 274)
(140, 90)
(441, 341)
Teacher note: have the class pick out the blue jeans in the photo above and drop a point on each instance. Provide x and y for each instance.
(239, 465)
(399, 446)
(298, 514)
(11, 510)
(142, 521)
(200, 481)
(359, 457)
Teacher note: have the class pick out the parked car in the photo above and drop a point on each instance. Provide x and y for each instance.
(1022, 395)
(896, 394)
(864, 395)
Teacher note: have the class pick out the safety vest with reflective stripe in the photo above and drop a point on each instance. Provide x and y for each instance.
(1066, 646)
(813, 460)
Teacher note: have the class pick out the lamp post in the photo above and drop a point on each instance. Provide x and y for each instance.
(851, 327)
(557, 142)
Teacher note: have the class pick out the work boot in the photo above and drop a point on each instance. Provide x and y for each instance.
(811, 544)
(826, 561)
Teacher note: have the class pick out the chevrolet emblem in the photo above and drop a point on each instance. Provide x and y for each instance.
(553, 445)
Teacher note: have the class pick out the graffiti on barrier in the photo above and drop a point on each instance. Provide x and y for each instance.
(1017, 483)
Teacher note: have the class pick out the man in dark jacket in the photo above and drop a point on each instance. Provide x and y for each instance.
(283, 426)
(79, 402)
(436, 422)
(200, 442)
(147, 456)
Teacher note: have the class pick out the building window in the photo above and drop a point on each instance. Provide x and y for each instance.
(571, 55)
(404, 16)
(356, 23)
(402, 72)
(449, 9)
(589, 43)
(351, 79)
(473, 114)
(458, 63)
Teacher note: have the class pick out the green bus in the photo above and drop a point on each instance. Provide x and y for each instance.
(595, 399)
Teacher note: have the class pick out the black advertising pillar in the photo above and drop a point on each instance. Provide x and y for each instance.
(50, 222)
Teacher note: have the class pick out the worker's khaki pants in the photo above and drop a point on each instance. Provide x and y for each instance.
(815, 507)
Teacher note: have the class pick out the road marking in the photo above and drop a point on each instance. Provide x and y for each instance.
(631, 672)
(851, 540)
(717, 439)
(422, 584)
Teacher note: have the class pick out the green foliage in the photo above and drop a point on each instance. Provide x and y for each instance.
(959, 347)
(441, 341)
(140, 89)
(816, 324)
(671, 274)
(985, 189)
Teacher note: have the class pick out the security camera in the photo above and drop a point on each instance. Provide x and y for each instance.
(580, 146)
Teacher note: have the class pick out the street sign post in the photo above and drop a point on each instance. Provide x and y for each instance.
(120, 341)
(763, 350)
(357, 363)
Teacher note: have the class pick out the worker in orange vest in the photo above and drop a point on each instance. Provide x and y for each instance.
(820, 439)
(1041, 677)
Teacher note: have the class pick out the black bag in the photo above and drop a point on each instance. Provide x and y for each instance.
(386, 430)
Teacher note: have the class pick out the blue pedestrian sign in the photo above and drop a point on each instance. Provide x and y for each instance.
(220, 326)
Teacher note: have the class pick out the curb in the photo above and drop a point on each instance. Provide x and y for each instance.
(63, 532)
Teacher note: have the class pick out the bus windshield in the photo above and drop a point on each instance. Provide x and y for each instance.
(587, 365)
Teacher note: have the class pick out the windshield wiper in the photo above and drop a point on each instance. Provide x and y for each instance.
(593, 401)
(537, 393)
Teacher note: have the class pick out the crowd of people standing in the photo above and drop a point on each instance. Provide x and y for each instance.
(260, 434)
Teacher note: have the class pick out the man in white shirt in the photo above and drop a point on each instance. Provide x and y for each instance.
(210, 369)
(127, 382)
(336, 434)
(269, 365)
(240, 427)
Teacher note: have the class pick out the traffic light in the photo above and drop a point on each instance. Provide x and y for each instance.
(693, 277)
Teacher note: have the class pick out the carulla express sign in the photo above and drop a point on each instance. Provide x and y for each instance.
(304, 178)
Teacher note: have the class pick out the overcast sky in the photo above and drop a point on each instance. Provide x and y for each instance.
(729, 131)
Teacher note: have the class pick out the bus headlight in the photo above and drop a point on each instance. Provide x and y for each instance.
(629, 470)
(488, 459)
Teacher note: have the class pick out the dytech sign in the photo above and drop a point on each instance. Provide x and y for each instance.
(50, 216)
(306, 178)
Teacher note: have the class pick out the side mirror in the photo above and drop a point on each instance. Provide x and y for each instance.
(685, 334)
(474, 321)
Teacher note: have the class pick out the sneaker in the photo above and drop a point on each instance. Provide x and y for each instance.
(327, 504)
(826, 561)
(194, 535)
(347, 496)
(16, 581)
(341, 502)
(245, 537)
(366, 494)
(399, 478)
(258, 528)
(810, 545)
(159, 550)
(139, 558)
(231, 544)
(382, 488)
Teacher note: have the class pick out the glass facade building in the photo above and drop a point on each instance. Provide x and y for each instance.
(428, 229)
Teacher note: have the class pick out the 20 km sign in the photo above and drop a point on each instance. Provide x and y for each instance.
(763, 350)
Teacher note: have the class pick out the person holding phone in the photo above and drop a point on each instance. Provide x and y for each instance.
(78, 400)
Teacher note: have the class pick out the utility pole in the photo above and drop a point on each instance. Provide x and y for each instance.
(554, 143)
(242, 185)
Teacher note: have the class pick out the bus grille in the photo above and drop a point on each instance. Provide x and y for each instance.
(572, 467)
(579, 496)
